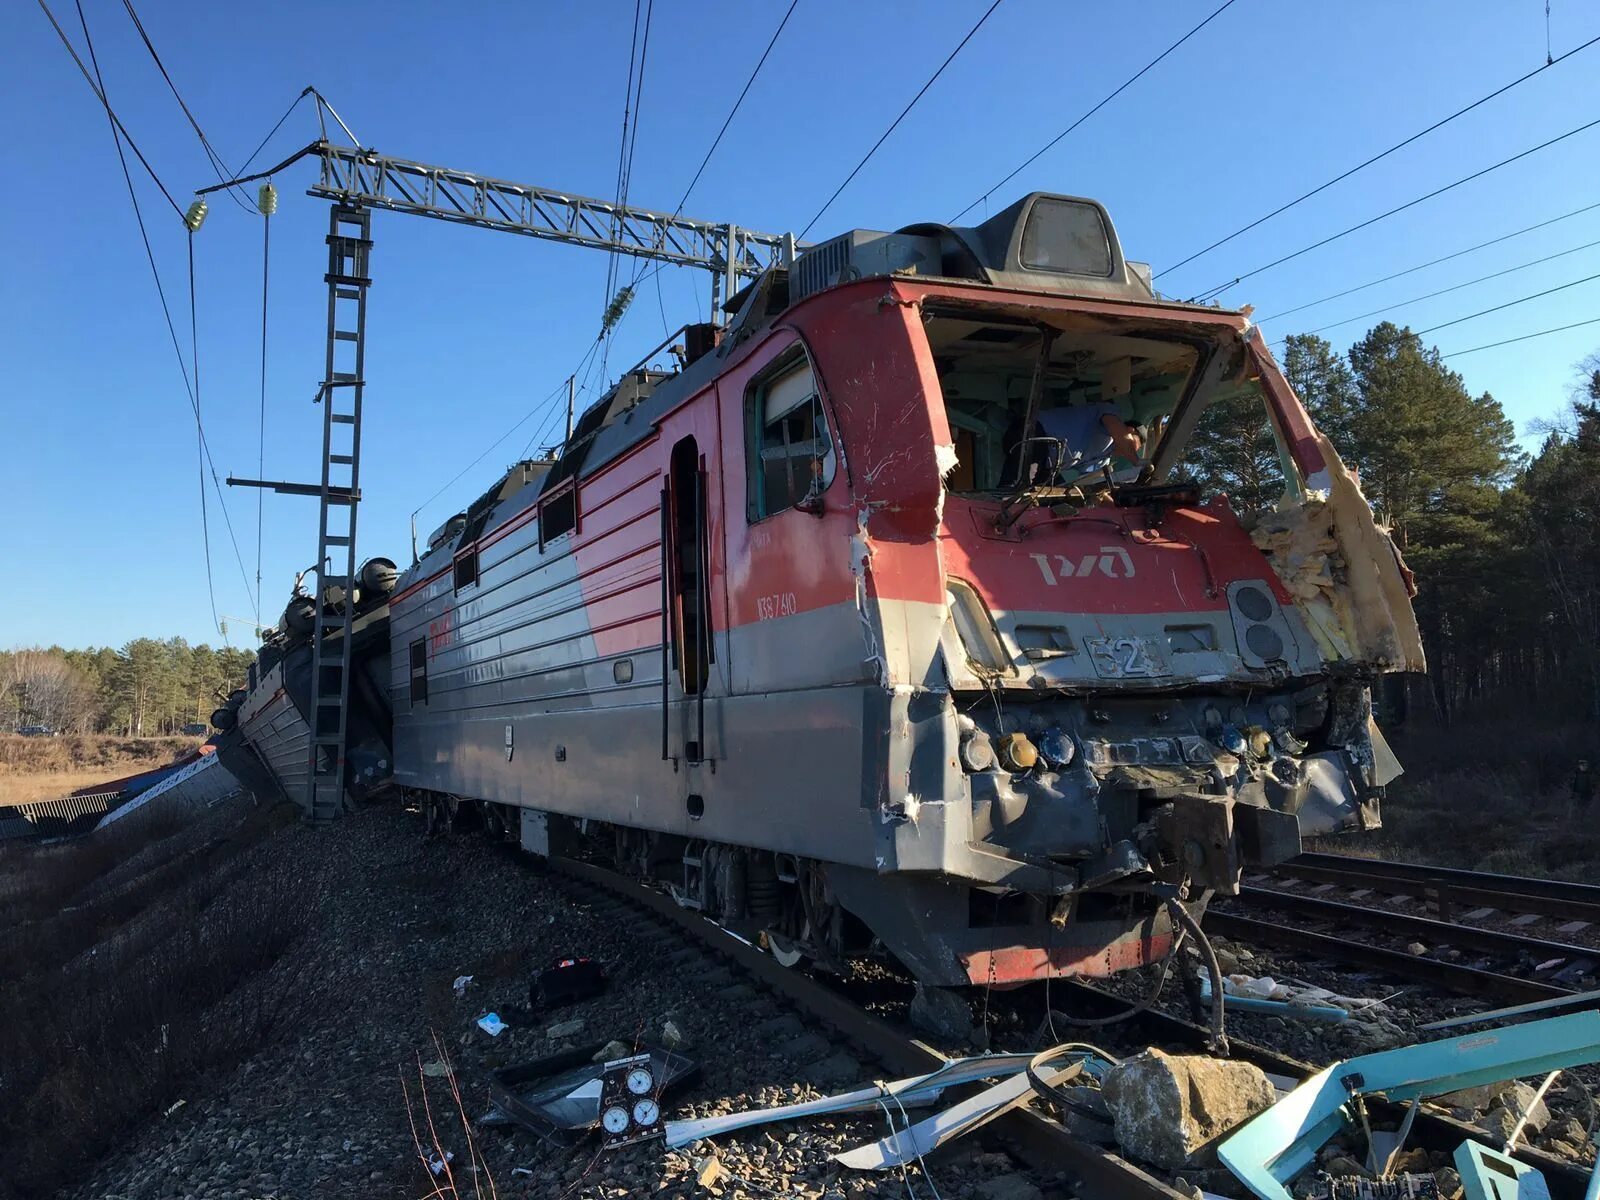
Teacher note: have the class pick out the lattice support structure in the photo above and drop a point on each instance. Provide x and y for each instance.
(348, 277)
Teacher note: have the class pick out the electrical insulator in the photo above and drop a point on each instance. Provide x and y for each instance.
(196, 216)
(267, 199)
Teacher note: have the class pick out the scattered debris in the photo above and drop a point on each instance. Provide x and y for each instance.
(1168, 1108)
(565, 1029)
(904, 1093)
(176, 1105)
(709, 1171)
(436, 1070)
(1416, 949)
(560, 1095)
(460, 985)
(568, 980)
(672, 1036)
(491, 1024)
(629, 1110)
(1274, 1147)
(1555, 1004)
(904, 1145)
(438, 1164)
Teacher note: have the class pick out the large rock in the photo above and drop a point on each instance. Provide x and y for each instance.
(1168, 1108)
(942, 1013)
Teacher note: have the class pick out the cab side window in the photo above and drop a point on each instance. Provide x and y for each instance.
(791, 456)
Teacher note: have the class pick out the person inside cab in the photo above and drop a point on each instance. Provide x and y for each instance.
(1071, 442)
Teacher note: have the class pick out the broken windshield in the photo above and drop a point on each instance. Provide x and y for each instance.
(1102, 402)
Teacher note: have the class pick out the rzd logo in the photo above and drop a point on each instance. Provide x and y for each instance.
(1111, 561)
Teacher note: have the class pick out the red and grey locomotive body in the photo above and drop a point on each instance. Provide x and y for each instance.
(828, 629)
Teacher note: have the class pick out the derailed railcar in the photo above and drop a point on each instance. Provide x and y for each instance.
(833, 630)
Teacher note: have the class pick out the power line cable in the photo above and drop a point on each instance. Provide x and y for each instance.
(1524, 338)
(1508, 304)
(1127, 83)
(1455, 288)
(293, 104)
(895, 124)
(1399, 208)
(117, 131)
(223, 173)
(1361, 287)
(199, 431)
(734, 111)
(116, 123)
(1322, 187)
(261, 423)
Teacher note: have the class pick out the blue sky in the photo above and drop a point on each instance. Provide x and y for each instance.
(469, 330)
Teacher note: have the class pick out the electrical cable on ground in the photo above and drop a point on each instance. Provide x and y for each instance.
(1283, 208)
(1127, 83)
(1454, 288)
(1210, 293)
(1360, 287)
(1524, 338)
(893, 125)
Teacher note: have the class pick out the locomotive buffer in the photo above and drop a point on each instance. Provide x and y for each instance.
(357, 181)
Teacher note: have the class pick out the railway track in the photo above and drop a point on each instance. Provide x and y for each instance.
(1450, 892)
(1034, 1138)
(1343, 918)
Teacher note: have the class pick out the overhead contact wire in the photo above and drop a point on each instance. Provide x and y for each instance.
(1399, 208)
(1524, 338)
(223, 173)
(1361, 287)
(100, 95)
(1126, 84)
(1454, 288)
(1322, 187)
(895, 124)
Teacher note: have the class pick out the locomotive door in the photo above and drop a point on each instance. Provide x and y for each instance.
(688, 647)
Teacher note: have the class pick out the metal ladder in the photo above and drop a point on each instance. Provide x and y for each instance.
(349, 245)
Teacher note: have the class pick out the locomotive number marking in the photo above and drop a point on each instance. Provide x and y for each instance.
(779, 604)
(1126, 658)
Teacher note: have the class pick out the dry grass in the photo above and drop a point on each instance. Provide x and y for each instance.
(1489, 797)
(129, 964)
(40, 768)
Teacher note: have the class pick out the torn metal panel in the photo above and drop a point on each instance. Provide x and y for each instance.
(906, 1145)
(916, 1090)
(1270, 1150)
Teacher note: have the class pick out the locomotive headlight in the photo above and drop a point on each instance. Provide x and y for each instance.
(977, 752)
(1057, 747)
(1017, 753)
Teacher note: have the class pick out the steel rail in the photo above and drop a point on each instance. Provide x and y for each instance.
(1466, 937)
(1380, 868)
(1449, 888)
(1452, 976)
(1042, 1143)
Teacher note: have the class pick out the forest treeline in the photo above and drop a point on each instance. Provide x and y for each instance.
(1505, 545)
(147, 687)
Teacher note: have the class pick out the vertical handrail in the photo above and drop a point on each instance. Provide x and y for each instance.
(666, 658)
(702, 658)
